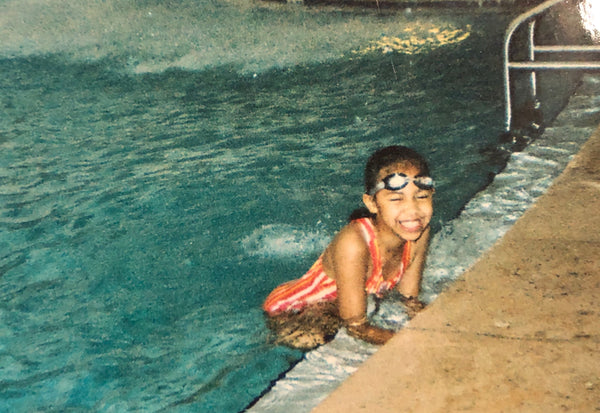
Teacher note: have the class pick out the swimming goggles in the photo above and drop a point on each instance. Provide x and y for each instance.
(396, 182)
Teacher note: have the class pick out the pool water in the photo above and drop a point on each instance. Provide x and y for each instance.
(151, 197)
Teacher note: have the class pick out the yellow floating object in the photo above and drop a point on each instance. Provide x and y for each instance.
(417, 41)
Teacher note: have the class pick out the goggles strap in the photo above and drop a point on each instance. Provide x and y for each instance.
(397, 181)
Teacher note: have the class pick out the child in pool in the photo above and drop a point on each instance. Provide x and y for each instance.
(382, 248)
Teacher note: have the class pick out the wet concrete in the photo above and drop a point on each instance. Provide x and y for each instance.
(519, 331)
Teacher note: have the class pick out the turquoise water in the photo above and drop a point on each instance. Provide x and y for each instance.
(144, 216)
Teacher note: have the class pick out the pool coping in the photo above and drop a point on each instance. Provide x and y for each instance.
(518, 330)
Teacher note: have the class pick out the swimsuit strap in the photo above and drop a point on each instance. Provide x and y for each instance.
(375, 284)
(368, 230)
(405, 261)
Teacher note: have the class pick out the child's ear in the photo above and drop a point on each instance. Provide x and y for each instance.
(369, 201)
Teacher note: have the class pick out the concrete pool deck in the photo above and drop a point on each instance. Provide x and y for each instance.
(519, 331)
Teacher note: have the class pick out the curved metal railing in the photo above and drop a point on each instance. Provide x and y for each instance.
(532, 64)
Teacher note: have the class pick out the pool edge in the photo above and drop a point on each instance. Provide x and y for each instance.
(518, 330)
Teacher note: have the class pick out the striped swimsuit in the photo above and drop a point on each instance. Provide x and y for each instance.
(316, 286)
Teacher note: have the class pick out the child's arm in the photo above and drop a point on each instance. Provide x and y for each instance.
(410, 284)
(350, 258)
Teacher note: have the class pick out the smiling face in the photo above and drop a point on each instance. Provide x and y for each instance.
(405, 213)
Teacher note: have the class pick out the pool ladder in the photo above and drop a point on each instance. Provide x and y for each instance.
(533, 65)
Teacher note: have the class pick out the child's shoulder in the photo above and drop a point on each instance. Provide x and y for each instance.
(356, 226)
(351, 237)
(348, 248)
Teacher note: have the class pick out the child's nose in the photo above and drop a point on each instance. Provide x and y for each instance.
(412, 205)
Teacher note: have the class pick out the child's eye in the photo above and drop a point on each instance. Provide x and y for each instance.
(423, 196)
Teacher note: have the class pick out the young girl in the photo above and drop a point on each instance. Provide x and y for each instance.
(382, 248)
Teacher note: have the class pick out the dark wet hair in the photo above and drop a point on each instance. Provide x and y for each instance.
(383, 158)
(389, 156)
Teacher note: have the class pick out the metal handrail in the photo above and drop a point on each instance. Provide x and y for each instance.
(532, 65)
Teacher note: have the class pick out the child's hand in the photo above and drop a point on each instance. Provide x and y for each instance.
(371, 334)
(413, 305)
